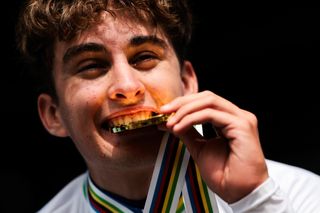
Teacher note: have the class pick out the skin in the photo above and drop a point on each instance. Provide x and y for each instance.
(119, 67)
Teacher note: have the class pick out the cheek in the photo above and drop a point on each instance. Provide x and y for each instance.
(81, 105)
(165, 89)
(84, 97)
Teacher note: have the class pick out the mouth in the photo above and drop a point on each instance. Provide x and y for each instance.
(134, 121)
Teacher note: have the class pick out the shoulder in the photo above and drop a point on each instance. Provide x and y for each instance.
(300, 185)
(69, 198)
(284, 172)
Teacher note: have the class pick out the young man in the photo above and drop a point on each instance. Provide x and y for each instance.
(109, 65)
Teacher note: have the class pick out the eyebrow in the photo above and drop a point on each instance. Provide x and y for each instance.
(78, 49)
(95, 47)
(139, 40)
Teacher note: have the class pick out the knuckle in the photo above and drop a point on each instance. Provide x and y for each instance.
(251, 118)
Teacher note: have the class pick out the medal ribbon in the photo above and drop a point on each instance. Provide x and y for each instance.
(176, 185)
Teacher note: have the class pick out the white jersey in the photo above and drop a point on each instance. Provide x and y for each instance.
(288, 189)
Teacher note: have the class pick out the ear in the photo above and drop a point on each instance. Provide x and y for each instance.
(189, 78)
(50, 116)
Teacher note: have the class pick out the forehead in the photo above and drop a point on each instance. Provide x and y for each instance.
(115, 31)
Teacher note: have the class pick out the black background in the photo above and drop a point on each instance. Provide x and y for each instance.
(263, 57)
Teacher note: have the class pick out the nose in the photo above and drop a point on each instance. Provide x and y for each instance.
(126, 88)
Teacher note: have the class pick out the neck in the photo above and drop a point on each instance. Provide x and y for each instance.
(131, 185)
(128, 173)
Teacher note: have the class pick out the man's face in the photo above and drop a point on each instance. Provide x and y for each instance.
(115, 72)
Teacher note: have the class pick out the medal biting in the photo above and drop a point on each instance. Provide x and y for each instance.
(153, 120)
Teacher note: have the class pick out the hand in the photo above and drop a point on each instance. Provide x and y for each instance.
(233, 164)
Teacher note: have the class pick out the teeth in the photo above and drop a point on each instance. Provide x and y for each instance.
(137, 117)
(126, 119)
(151, 120)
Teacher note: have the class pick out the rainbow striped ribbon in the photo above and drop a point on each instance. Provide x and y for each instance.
(176, 185)
(101, 202)
(197, 196)
(168, 177)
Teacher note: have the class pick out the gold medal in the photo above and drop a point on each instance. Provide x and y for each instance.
(155, 120)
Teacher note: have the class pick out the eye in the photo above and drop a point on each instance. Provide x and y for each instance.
(93, 68)
(145, 60)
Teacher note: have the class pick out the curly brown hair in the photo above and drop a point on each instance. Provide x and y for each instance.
(41, 22)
